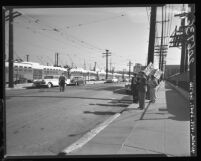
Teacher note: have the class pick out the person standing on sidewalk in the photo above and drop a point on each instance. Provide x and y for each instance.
(152, 83)
(142, 89)
(134, 83)
(62, 80)
(148, 92)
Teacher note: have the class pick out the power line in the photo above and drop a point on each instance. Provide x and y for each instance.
(48, 37)
(55, 29)
(96, 21)
(34, 31)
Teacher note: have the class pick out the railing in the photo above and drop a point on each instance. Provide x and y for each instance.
(180, 80)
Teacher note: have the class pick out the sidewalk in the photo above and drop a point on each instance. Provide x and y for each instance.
(162, 128)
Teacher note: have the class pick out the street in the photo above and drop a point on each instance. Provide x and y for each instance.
(45, 121)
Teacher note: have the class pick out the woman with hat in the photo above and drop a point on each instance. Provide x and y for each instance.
(152, 88)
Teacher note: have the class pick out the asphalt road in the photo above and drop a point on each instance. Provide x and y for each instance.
(45, 121)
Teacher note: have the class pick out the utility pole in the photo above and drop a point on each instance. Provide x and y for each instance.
(152, 35)
(123, 74)
(94, 66)
(27, 58)
(4, 56)
(11, 48)
(57, 59)
(84, 65)
(10, 18)
(179, 40)
(106, 55)
(129, 64)
(110, 65)
(161, 51)
(160, 56)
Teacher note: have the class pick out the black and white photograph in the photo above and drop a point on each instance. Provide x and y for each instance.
(99, 80)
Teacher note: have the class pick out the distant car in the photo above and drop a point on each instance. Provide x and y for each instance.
(49, 81)
(115, 80)
(108, 81)
(77, 81)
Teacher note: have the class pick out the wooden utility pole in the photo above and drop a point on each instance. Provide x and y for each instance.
(10, 18)
(11, 48)
(160, 56)
(106, 55)
(129, 64)
(2, 68)
(94, 66)
(152, 35)
(84, 65)
(57, 59)
(110, 65)
(27, 58)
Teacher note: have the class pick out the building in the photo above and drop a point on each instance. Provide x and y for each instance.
(171, 70)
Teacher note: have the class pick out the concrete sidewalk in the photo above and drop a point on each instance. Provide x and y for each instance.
(162, 128)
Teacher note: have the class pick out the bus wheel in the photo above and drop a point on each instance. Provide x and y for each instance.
(49, 85)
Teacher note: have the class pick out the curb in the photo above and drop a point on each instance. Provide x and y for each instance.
(88, 136)
(181, 91)
(22, 86)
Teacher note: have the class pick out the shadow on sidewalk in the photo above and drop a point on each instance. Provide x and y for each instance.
(100, 112)
(177, 105)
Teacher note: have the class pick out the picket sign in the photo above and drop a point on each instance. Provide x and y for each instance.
(157, 74)
(148, 69)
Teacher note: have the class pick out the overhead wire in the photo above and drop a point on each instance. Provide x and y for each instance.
(34, 31)
(92, 22)
(55, 29)
(81, 42)
(46, 36)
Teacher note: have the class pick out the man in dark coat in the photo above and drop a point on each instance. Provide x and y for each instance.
(62, 80)
(142, 89)
(134, 83)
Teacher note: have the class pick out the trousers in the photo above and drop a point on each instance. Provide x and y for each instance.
(152, 94)
(62, 87)
(141, 97)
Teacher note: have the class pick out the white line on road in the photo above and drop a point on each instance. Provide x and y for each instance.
(88, 136)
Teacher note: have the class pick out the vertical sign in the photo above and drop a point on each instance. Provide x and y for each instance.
(190, 37)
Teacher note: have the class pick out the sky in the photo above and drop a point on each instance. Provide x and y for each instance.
(82, 35)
